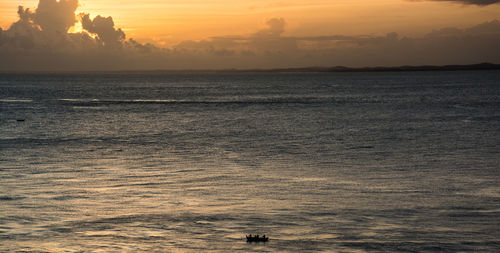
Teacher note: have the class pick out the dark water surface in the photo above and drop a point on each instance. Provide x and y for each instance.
(349, 162)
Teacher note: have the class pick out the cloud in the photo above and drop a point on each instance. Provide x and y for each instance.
(51, 15)
(265, 49)
(469, 2)
(104, 28)
(56, 16)
(275, 27)
(268, 40)
(40, 41)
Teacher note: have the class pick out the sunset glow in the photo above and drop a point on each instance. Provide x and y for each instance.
(169, 22)
(197, 34)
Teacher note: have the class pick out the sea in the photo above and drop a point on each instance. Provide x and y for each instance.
(193, 162)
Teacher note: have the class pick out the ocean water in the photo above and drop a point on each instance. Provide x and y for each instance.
(331, 162)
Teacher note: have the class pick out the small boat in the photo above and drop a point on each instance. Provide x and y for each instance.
(257, 238)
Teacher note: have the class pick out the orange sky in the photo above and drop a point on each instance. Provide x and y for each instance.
(167, 22)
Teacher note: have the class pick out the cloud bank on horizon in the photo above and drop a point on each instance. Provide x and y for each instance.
(40, 41)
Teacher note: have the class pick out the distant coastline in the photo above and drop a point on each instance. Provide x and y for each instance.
(405, 68)
(480, 66)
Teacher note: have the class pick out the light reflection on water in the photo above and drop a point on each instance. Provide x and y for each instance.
(341, 162)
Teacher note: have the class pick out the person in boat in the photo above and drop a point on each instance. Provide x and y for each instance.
(257, 238)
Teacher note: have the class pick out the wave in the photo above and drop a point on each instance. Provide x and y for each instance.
(10, 198)
(95, 102)
(15, 100)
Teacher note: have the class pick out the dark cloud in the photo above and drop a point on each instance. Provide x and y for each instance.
(469, 2)
(104, 28)
(51, 15)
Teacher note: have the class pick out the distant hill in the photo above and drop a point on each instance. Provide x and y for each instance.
(480, 66)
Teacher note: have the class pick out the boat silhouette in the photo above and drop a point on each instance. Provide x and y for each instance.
(257, 238)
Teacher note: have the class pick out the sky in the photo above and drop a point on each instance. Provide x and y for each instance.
(220, 34)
